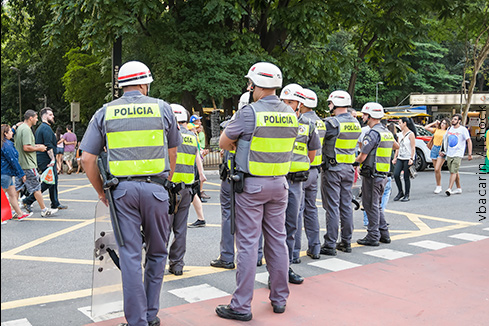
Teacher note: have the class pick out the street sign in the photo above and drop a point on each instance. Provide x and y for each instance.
(75, 111)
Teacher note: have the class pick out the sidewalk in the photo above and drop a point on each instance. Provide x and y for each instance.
(443, 287)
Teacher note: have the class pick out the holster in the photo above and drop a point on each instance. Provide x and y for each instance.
(298, 176)
(223, 171)
(239, 185)
(366, 171)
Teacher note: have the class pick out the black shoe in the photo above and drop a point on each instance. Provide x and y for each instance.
(399, 196)
(222, 264)
(176, 272)
(259, 263)
(367, 242)
(27, 207)
(155, 322)
(295, 278)
(405, 198)
(313, 256)
(328, 251)
(197, 224)
(61, 207)
(343, 246)
(385, 240)
(224, 311)
(296, 261)
(278, 309)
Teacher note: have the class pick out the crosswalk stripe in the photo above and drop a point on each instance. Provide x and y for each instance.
(387, 254)
(334, 264)
(18, 322)
(428, 244)
(468, 236)
(199, 293)
(87, 311)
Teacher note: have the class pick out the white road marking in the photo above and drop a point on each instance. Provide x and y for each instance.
(468, 236)
(199, 293)
(18, 322)
(334, 264)
(262, 278)
(428, 244)
(387, 254)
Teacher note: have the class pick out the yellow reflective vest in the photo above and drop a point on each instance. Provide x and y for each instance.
(187, 153)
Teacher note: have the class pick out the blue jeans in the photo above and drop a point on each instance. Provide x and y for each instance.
(385, 199)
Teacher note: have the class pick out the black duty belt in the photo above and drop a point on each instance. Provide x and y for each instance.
(149, 179)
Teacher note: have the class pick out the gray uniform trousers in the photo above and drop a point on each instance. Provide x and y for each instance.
(261, 206)
(309, 211)
(372, 192)
(336, 194)
(291, 218)
(179, 228)
(227, 239)
(292, 214)
(142, 204)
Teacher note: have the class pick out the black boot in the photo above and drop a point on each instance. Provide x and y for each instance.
(405, 198)
(399, 196)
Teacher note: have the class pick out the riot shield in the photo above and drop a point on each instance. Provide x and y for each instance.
(106, 281)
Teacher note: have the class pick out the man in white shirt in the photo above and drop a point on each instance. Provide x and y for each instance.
(454, 148)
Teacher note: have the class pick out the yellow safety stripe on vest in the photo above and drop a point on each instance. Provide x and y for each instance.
(136, 167)
(270, 169)
(135, 138)
(346, 143)
(345, 158)
(133, 110)
(300, 160)
(271, 145)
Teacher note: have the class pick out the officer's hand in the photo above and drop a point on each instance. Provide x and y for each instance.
(103, 199)
(356, 163)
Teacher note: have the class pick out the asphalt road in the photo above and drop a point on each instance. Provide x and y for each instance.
(46, 274)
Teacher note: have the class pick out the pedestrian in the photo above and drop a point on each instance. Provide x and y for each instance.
(342, 133)
(454, 143)
(200, 177)
(79, 164)
(45, 135)
(60, 149)
(263, 135)
(305, 147)
(69, 151)
(10, 169)
(25, 144)
(226, 245)
(376, 157)
(308, 211)
(197, 122)
(141, 136)
(404, 157)
(438, 129)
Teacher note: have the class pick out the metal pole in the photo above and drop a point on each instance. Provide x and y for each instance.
(377, 91)
(20, 100)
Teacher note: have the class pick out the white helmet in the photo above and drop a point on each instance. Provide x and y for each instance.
(265, 75)
(373, 109)
(244, 100)
(340, 99)
(180, 112)
(293, 92)
(134, 73)
(311, 98)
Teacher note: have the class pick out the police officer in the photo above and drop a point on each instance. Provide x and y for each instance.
(184, 172)
(376, 157)
(226, 257)
(308, 209)
(305, 148)
(342, 133)
(263, 135)
(141, 136)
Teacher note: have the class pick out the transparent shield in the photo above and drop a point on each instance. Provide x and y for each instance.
(106, 281)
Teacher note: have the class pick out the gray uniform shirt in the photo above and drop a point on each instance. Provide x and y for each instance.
(95, 137)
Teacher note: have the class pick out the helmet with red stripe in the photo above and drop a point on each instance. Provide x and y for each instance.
(265, 75)
(134, 73)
